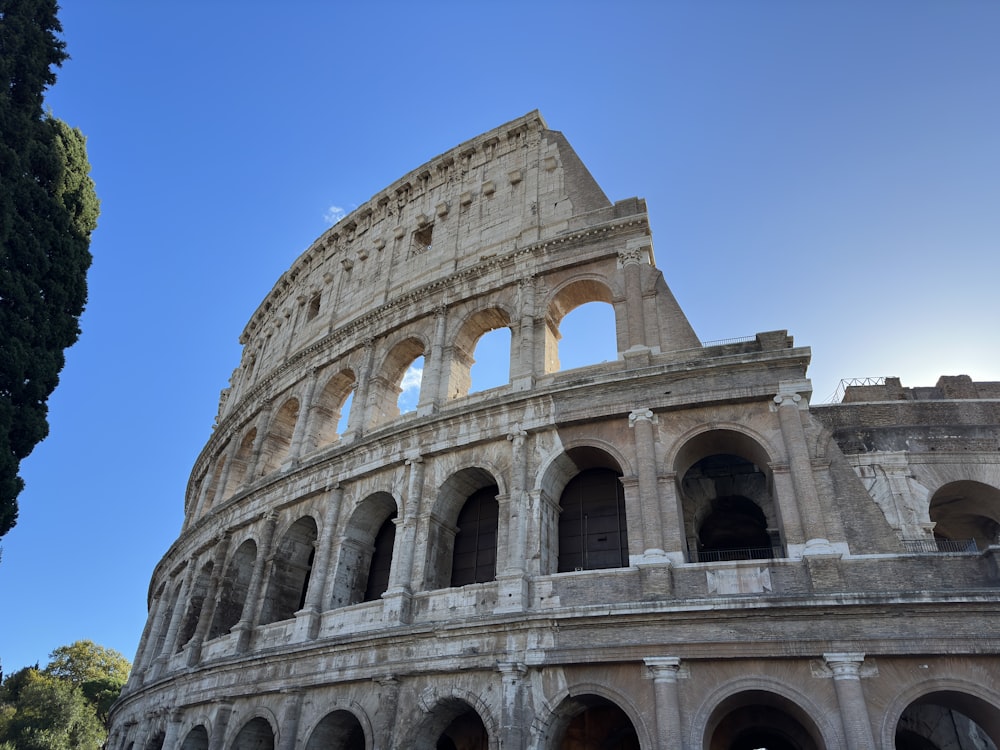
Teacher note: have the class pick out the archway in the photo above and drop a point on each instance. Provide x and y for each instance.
(256, 734)
(339, 730)
(196, 739)
(592, 722)
(760, 720)
(948, 720)
(290, 572)
(964, 511)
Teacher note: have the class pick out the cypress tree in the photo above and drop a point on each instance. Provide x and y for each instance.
(48, 209)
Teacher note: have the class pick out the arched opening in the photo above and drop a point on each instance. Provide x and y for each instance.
(234, 587)
(593, 528)
(279, 437)
(213, 485)
(365, 557)
(475, 555)
(948, 720)
(452, 725)
(241, 461)
(196, 739)
(256, 734)
(395, 389)
(332, 409)
(581, 327)
(480, 355)
(473, 546)
(727, 498)
(156, 740)
(964, 511)
(290, 572)
(759, 720)
(339, 730)
(591, 722)
(196, 601)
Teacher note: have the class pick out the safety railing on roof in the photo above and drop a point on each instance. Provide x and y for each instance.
(723, 342)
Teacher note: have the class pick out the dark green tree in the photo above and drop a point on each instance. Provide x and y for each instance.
(48, 209)
(39, 711)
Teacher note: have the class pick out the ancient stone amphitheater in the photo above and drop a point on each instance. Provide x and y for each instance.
(671, 549)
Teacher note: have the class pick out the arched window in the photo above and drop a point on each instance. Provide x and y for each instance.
(331, 410)
(196, 739)
(238, 469)
(965, 512)
(290, 572)
(948, 719)
(256, 734)
(474, 559)
(593, 532)
(395, 389)
(381, 563)
(196, 601)
(279, 437)
(581, 327)
(365, 558)
(759, 719)
(590, 721)
(339, 730)
(480, 354)
(234, 589)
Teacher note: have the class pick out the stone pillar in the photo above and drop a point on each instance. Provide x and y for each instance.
(301, 430)
(846, 668)
(252, 605)
(672, 519)
(253, 461)
(641, 421)
(206, 483)
(432, 389)
(513, 722)
(512, 581)
(220, 487)
(385, 717)
(806, 496)
(218, 739)
(173, 728)
(358, 419)
(211, 601)
(401, 576)
(313, 607)
(180, 606)
(666, 671)
(523, 349)
(630, 259)
(288, 732)
(147, 643)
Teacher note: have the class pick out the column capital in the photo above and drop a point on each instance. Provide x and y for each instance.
(664, 668)
(641, 415)
(845, 665)
(512, 670)
(517, 435)
(413, 460)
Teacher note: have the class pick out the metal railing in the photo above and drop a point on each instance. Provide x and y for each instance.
(740, 553)
(934, 546)
(723, 342)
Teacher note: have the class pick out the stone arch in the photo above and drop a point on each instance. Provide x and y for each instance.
(463, 348)
(328, 407)
(789, 713)
(212, 489)
(257, 733)
(340, 729)
(233, 589)
(584, 519)
(241, 463)
(196, 739)
(966, 510)
(567, 297)
(446, 541)
(157, 736)
(726, 489)
(160, 642)
(290, 571)
(590, 715)
(386, 381)
(278, 442)
(195, 603)
(456, 720)
(366, 547)
(956, 700)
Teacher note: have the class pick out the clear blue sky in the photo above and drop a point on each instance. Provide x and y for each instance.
(830, 168)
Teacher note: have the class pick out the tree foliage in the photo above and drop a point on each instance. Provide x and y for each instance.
(48, 209)
(64, 706)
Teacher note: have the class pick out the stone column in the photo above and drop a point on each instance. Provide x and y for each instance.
(630, 259)
(806, 496)
(523, 349)
(173, 728)
(671, 519)
(401, 576)
(176, 616)
(251, 607)
(253, 461)
(846, 668)
(513, 722)
(512, 582)
(313, 607)
(219, 726)
(641, 421)
(288, 733)
(211, 601)
(432, 389)
(666, 671)
(385, 718)
(358, 419)
(301, 429)
(147, 642)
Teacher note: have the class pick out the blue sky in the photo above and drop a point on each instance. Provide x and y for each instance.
(828, 168)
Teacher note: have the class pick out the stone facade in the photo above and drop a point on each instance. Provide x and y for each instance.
(670, 550)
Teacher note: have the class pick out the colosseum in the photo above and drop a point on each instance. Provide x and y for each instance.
(670, 549)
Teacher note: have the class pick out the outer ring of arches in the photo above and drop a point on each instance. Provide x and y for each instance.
(233, 728)
(830, 734)
(541, 728)
(430, 699)
(193, 721)
(545, 476)
(672, 455)
(895, 708)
